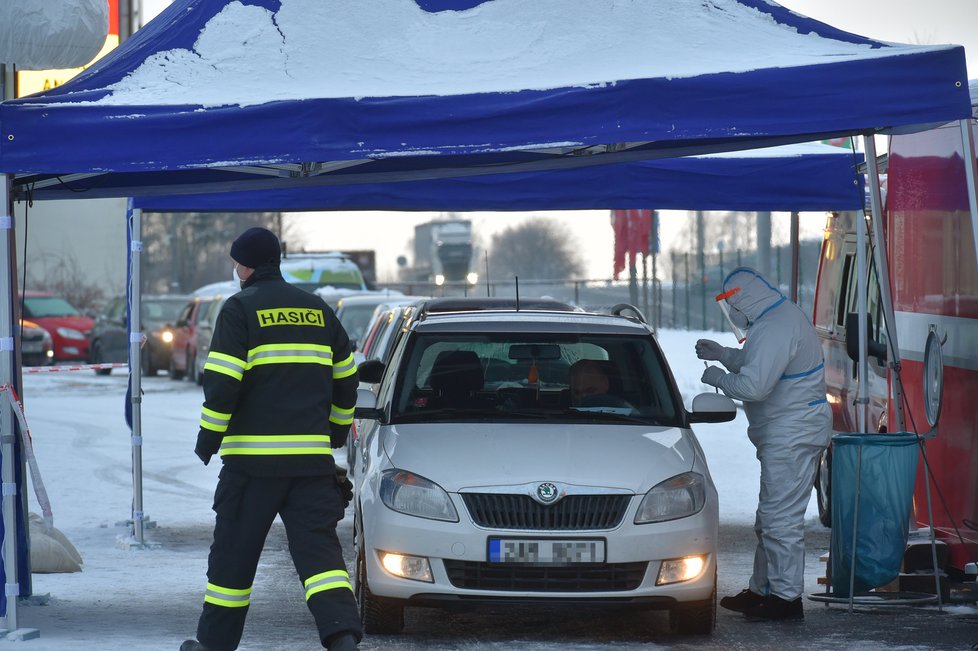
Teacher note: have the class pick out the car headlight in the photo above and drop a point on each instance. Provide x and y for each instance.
(677, 497)
(166, 336)
(71, 333)
(405, 492)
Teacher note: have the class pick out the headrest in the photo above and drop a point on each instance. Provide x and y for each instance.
(456, 371)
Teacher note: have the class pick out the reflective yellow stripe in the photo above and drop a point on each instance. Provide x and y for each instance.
(214, 420)
(341, 416)
(226, 364)
(276, 444)
(346, 368)
(227, 597)
(290, 354)
(327, 581)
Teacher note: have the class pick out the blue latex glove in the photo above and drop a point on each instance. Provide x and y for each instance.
(712, 376)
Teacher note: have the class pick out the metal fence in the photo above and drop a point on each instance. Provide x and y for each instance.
(681, 298)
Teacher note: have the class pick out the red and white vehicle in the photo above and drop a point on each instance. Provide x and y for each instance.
(931, 249)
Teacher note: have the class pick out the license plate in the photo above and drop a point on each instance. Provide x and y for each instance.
(555, 552)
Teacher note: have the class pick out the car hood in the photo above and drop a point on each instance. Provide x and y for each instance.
(52, 323)
(467, 455)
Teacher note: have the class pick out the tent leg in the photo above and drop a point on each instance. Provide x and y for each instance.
(8, 438)
(135, 372)
(970, 172)
(883, 277)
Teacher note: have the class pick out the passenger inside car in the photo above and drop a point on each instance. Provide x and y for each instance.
(592, 384)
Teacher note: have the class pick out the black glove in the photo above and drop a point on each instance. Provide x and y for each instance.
(208, 443)
(346, 486)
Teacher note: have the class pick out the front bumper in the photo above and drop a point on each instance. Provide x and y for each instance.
(462, 575)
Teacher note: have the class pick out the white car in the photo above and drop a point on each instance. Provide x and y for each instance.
(481, 479)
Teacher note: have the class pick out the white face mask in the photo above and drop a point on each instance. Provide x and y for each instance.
(234, 274)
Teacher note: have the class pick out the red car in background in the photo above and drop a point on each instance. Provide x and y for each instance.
(183, 360)
(68, 327)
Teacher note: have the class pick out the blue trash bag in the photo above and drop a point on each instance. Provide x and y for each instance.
(887, 469)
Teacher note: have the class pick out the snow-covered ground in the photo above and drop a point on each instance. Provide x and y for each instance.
(130, 598)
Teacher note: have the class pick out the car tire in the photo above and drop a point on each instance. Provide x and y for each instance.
(823, 487)
(174, 373)
(97, 359)
(192, 367)
(695, 617)
(378, 616)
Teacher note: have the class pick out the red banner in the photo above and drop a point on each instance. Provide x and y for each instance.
(632, 229)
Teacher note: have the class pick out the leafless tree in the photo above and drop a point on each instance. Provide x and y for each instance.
(63, 275)
(183, 251)
(535, 250)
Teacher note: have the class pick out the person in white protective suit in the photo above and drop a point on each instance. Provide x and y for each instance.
(779, 375)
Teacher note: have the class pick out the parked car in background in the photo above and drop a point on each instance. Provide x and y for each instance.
(110, 335)
(356, 312)
(183, 360)
(331, 269)
(216, 294)
(36, 345)
(68, 327)
(479, 481)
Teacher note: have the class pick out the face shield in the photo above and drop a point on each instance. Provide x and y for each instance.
(735, 318)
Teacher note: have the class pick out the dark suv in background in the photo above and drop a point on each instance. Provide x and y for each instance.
(110, 335)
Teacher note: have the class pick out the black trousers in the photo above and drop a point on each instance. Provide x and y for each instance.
(246, 506)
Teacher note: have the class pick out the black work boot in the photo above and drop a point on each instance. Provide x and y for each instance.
(774, 608)
(742, 601)
(342, 642)
(192, 645)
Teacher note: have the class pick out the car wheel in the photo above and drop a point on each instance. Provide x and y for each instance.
(192, 367)
(695, 617)
(378, 616)
(823, 487)
(175, 374)
(97, 358)
(146, 364)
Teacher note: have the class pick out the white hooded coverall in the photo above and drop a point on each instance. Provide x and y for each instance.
(779, 375)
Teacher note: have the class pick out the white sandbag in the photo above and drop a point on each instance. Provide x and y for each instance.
(51, 551)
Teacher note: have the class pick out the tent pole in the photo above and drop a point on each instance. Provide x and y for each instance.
(883, 277)
(9, 378)
(7, 369)
(861, 400)
(135, 373)
(795, 253)
(970, 172)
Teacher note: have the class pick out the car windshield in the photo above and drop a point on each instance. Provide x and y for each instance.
(356, 318)
(163, 310)
(521, 377)
(42, 306)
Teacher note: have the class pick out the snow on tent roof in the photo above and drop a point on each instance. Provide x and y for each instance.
(217, 95)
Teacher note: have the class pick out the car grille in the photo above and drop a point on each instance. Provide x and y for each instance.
(598, 577)
(574, 512)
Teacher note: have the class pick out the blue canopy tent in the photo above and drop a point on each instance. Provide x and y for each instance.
(800, 177)
(465, 101)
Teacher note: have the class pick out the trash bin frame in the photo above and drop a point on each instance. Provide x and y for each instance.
(885, 598)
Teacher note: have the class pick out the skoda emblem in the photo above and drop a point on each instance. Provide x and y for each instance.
(547, 492)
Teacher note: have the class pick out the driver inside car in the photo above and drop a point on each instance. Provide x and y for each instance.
(590, 385)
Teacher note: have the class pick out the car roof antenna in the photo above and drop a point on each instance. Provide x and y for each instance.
(517, 278)
(488, 292)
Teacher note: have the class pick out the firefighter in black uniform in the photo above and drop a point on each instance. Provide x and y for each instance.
(280, 386)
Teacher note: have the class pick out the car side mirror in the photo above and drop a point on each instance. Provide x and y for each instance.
(371, 371)
(712, 408)
(366, 406)
(874, 348)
